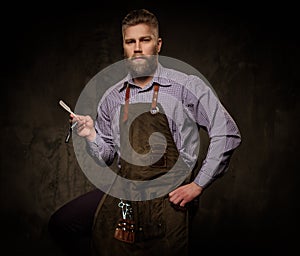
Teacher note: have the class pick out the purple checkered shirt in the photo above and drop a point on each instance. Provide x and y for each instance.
(188, 103)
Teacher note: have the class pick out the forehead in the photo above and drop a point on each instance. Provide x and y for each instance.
(137, 31)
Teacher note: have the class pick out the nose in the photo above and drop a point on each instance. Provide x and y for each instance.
(137, 48)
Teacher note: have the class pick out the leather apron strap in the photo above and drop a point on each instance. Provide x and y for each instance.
(154, 109)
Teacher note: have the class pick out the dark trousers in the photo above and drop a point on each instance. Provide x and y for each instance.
(71, 225)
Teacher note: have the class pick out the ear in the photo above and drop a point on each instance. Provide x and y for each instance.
(159, 44)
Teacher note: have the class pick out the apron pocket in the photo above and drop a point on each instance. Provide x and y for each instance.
(151, 231)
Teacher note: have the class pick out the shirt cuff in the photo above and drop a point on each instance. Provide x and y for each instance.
(203, 180)
(94, 145)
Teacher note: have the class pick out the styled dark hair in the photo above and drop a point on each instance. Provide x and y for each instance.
(140, 16)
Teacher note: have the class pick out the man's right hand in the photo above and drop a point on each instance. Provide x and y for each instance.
(85, 126)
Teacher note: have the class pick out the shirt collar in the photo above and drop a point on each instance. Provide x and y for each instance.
(159, 78)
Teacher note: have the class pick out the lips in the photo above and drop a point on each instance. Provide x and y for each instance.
(138, 58)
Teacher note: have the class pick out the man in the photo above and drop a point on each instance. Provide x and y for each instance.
(149, 115)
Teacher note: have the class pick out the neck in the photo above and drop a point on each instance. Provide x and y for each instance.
(142, 81)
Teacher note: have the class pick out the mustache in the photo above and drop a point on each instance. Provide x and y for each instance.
(138, 56)
(134, 57)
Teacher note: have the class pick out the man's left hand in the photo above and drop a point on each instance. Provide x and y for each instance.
(184, 194)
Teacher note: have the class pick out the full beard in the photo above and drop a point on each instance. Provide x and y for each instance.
(143, 68)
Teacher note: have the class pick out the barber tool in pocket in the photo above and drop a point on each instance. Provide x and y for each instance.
(125, 230)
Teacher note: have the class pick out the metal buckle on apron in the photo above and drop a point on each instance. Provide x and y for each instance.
(154, 111)
(154, 108)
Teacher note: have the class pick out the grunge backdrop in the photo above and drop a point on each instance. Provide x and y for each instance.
(250, 55)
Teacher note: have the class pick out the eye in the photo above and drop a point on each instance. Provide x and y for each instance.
(146, 39)
(129, 41)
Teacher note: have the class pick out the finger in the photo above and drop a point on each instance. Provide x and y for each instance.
(183, 203)
(80, 127)
(74, 119)
(175, 199)
(174, 196)
(179, 205)
(172, 193)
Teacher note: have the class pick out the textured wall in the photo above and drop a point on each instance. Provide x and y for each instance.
(250, 58)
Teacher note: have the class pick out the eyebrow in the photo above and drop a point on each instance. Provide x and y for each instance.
(140, 38)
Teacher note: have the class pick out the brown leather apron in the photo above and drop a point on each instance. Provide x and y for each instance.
(160, 229)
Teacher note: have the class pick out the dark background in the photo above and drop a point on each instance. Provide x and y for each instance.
(248, 52)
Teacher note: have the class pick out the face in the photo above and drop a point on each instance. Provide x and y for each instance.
(141, 46)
